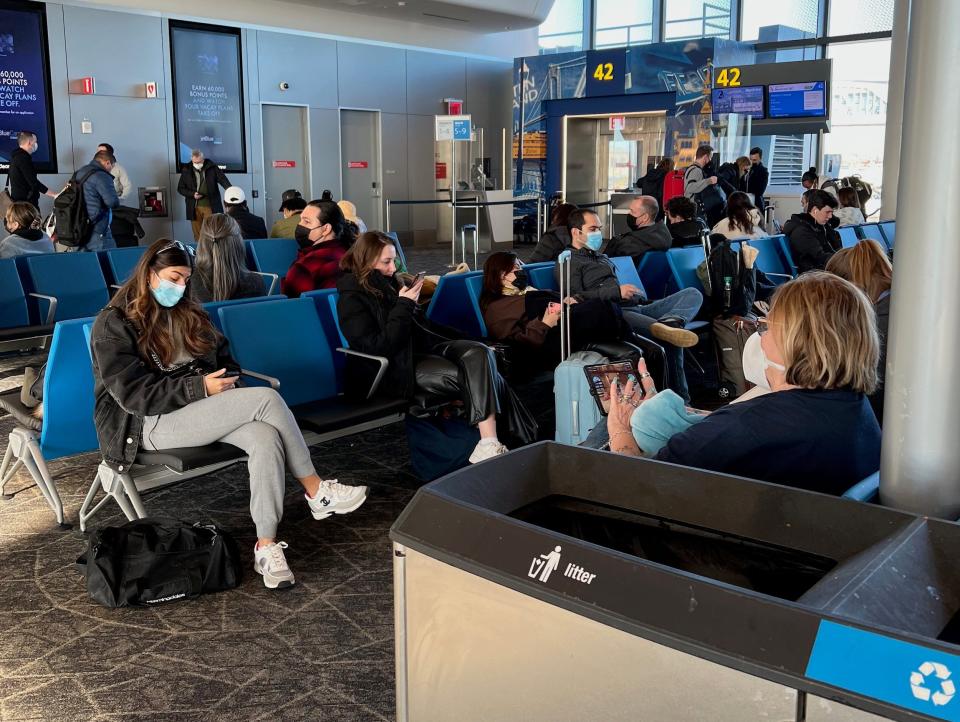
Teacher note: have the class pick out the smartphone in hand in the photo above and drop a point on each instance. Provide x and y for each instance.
(411, 282)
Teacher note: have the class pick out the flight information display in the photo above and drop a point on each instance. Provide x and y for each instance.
(745, 100)
(798, 100)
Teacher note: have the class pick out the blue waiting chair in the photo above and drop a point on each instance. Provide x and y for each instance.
(542, 276)
(401, 256)
(452, 304)
(889, 231)
(273, 255)
(771, 260)
(848, 236)
(213, 307)
(306, 379)
(121, 262)
(654, 271)
(67, 427)
(872, 232)
(15, 322)
(71, 283)
(787, 254)
(151, 469)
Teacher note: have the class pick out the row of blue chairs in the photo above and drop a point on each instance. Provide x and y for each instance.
(36, 291)
(262, 333)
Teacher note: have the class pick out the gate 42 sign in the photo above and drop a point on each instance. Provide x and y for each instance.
(727, 78)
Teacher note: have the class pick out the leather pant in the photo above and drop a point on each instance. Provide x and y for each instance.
(467, 370)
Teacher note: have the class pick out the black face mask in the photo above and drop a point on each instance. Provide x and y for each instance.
(521, 281)
(302, 234)
(632, 222)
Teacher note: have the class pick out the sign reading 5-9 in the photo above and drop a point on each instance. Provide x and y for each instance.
(727, 78)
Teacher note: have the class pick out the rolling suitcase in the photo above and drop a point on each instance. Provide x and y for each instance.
(576, 411)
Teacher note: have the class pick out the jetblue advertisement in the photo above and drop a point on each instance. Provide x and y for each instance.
(24, 82)
(208, 94)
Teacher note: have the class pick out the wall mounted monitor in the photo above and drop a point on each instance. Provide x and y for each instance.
(208, 94)
(746, 100)
(25, 100)
(797, 100)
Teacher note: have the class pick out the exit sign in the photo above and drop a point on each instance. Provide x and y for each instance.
(618, 122)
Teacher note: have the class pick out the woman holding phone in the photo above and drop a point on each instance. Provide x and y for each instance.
(164, 379)
(516, 312)
(378, 316)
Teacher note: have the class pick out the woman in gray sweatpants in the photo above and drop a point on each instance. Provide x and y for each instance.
(164, 379)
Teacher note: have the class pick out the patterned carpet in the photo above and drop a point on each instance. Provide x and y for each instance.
(320, 651)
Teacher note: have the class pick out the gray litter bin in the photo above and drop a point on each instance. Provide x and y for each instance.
(558, 583)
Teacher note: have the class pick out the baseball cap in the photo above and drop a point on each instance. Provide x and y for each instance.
(292, 194)
(234, 195)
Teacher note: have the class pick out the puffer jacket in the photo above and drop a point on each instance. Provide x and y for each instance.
(127, 387)
(552, 244)
(100, 196)
(811, 244)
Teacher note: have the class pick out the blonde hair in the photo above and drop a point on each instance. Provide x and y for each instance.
(743, 162)
(24, 215)
(826, 329)
(866, 266)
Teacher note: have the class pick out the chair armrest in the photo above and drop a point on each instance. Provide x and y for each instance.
(274, 280)
(274, 382)
(779, 275)
(53, 306)
(382, 360)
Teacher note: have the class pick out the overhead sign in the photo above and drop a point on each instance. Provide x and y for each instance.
(357, 164)
(453, 127)
(284, 164)
(605, 72)
(25, 102)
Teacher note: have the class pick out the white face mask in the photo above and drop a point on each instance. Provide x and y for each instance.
(756, 363)
(198, 166)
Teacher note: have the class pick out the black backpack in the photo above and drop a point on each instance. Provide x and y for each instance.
(154, 561)
(725, 284)
(72, 223)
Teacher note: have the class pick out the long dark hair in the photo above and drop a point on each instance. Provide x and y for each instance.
(221, 256)
(561, 213)
(330, 213)
(738, 212)
(496, 266)
(363, 256)
(189, 325)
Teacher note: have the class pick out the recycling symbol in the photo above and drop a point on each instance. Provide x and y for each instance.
(918, 684)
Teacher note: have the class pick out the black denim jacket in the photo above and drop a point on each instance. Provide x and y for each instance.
(127, 387)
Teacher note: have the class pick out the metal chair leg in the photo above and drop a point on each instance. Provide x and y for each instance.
(7, 473)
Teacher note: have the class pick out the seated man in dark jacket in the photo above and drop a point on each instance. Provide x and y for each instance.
(812, 235)
(251, 226)
(645, 233)
(682, 222)
(593, 276)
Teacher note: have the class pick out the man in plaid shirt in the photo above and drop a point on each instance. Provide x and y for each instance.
(324, 237)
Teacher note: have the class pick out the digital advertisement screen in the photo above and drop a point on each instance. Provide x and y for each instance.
(208, 94)
(25, 102)
(746, 100)
(798, 100)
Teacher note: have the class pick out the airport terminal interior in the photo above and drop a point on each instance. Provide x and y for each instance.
(433, 360)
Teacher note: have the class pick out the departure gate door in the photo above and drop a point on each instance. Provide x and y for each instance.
(285, 155)
(360, 163)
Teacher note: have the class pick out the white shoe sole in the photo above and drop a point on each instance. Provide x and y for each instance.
(271, 583)
(472, 460)
(331, 510)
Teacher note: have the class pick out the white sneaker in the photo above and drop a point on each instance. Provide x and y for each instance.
(271, 564)
(336, 498)
(485, 451)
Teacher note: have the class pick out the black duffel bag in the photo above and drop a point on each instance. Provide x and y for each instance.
(154, 561)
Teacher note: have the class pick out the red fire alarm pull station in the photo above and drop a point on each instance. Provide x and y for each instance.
(88, 85)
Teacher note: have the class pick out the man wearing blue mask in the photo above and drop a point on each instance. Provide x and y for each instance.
(593, 276)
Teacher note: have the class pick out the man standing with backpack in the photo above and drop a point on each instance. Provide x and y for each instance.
(700, 186)
(84, 208)
(100, 198)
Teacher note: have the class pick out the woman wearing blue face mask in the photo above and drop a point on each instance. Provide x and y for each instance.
(164, 379)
